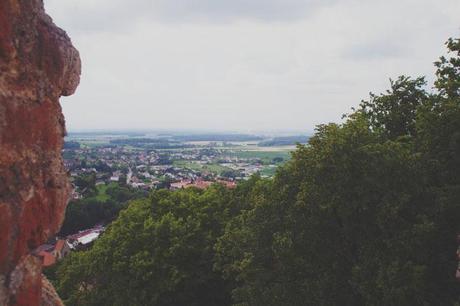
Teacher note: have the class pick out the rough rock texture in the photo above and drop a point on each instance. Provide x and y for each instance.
(38, 64)
(49, 295)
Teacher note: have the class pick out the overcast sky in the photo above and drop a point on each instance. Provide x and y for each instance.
(243, 65)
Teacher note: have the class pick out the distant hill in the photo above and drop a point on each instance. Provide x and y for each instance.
(153, 143)
(217, 137)
(71, 145)
(284, 141)
(105, 133)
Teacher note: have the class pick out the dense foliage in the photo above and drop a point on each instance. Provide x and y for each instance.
(158, 252)
(365, 214)
(97, 207)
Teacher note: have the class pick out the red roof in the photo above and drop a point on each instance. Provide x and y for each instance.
(201, 184)
(181, 184)
(48, 259)
(227, 184)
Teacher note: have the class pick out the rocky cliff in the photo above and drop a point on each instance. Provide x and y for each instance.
(38, 64)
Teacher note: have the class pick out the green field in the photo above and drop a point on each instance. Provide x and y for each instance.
(92, 144)
(214, 168)
(265, 156)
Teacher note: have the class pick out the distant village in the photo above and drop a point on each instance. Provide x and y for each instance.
(147, 169)
(151, 169)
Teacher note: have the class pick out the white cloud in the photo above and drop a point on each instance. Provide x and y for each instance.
(239, 65)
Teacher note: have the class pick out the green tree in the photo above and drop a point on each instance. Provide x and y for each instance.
(86, 182)
(158, 252)
(365, 214)
(85, 213)
(394, 113)
(448, 72)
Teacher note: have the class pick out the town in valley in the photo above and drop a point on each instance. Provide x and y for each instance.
(173, 161)
(109, 169)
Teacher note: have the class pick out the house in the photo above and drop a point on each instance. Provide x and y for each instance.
(75, 195)
(227, 184)
(48, 259)
(44, 252)
(85, 238)
(139, 185)
(201, 184)
(50, 254)
(61, 249)
(88, 238)
(180, 185)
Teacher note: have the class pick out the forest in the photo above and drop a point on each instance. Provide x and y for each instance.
(366, 213)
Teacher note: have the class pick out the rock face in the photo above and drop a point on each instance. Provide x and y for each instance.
(38, 64)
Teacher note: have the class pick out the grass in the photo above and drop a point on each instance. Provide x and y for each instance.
(265, 156)
(187, 164)
(102, 192)
(93, 143)
(214, 168)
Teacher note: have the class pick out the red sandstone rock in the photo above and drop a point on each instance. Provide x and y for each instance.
(38, 64)
(49, 295)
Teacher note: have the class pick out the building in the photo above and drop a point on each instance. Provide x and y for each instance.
(61, 249)
(45, 253)
(84, 239)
